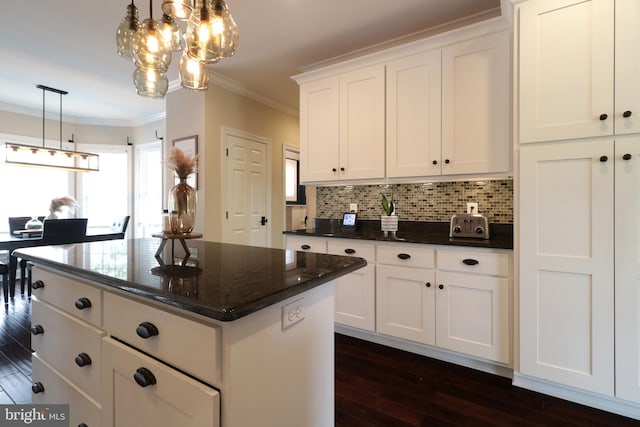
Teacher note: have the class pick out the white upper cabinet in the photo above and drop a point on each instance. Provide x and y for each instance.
(627, 67)
(342, 127)
(414, 119)
(576, 58)
(319, 131)
(476, 116)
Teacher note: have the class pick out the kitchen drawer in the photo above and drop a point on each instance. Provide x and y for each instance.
(307, 244)
(405, 255)
(349, 247)
(480, 261)
(64, 292)
(188, 345)
(82, 409)
(63, 339)
(170, 399)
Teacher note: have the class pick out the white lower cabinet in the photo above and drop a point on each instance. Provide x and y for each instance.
(355, 300)
(465, 310)
(141, 391)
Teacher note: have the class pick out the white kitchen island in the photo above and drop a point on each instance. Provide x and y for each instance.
(231, 336)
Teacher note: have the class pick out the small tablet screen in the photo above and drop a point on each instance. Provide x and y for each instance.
(349, 220)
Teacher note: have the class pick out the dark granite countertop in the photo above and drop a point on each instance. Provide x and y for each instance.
(220, 281)
(434, 233)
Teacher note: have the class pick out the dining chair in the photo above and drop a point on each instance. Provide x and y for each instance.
(67, 230)
(120, 224)
(19, 223)
(4, 271)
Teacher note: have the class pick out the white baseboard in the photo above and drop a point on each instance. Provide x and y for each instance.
(606, 403)
(429, 351)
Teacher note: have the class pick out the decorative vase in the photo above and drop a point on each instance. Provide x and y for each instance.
(389, 223)
(182, 207)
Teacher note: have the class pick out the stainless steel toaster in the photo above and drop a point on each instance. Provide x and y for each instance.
(468, 226)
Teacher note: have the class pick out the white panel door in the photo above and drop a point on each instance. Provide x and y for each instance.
(362, 123)
(405, 303)
(248, 191)
(566, 69)
(472, 315)
(319, 133)
(566, 263)
(476, 83)
(627, 69)
(355, 299)
(628, 268)
(414, 128)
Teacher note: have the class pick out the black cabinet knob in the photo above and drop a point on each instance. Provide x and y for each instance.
(37, 387)
(82, 425)
(83, 303)
(147, 330)
(83, 359)
(334, 170)
(144, 377)
(435, 162)
(428, 284)
(305, 247)
(349, 251)
(404, 256)
(603, 159)
(37, 284)
(440, 286)
(447, 161)
(626, 157)
(470, 261)
(603, 117)
(342, 169)
(37, 330)
(626, 114)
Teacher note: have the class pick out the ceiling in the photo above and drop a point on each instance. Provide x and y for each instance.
(70, 45)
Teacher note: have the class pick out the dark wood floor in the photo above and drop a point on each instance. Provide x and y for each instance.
(375, 386)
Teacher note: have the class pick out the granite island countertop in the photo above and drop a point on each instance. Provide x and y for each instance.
(434, 233)
(221, 281)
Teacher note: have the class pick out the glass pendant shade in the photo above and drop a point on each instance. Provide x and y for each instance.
(171, 33)
(126, 32)
(224, 30)
(150, 83)
(193, 75)
(178, 9)
(200, 41)
(149, 48)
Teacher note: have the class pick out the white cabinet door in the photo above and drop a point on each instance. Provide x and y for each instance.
(566, 69)
(167, 398)
(307, 244)
(362, 124)
(476, 106)
(405, 303)
(472, 315)
(319, 131)
(627, 68)
(414, 115)
(355, 299)
(627, 263)
(566, 263)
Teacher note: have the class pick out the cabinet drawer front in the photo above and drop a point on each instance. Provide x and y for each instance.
(481, 261)
(352, 248)
(188, 345)
(171, 399)
(406, 255)
(63, 339)
(307, 244)
(64, 292)
(82, 409)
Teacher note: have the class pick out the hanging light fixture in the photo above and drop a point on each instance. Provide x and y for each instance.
(31, 155)
(211, 34)
(126, 32)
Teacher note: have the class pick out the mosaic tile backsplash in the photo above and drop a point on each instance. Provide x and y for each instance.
(436, 201)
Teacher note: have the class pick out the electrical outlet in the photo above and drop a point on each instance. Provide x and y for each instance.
(292, 313)
(353, 207)
(472, 208)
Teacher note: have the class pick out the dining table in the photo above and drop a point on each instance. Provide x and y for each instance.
(11, 242)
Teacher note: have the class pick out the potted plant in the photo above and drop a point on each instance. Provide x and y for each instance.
(389, 221)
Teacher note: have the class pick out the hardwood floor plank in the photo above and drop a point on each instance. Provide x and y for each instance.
(19, 356)
(5, 399)
(18, 387)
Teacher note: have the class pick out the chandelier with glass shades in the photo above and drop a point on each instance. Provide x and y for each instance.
(210, 34)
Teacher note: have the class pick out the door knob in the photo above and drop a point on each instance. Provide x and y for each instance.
(263, 220)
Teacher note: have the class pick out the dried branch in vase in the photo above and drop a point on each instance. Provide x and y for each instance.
(181, 163)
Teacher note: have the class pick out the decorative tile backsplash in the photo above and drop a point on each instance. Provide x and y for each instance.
(434, 201)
